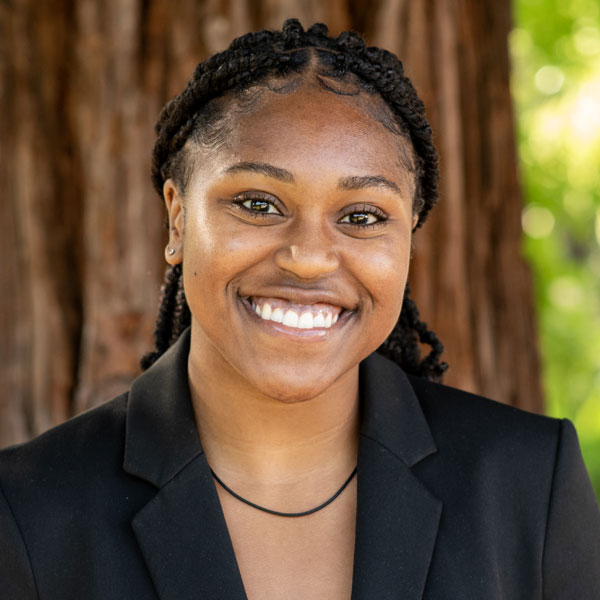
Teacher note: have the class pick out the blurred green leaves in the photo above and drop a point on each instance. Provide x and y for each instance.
(555, 48)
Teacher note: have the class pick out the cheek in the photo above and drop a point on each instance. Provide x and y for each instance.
(385, 279)
(218, 252)
(385, 269)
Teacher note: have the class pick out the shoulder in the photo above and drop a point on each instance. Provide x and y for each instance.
(464, 430)
(90, 444)
(517, 480)
(454, 414)
(474, 447)
(496, 452)
(69, 485)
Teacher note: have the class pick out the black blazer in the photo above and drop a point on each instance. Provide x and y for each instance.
(458, 498)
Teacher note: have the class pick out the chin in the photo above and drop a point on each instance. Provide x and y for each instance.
(295, 389)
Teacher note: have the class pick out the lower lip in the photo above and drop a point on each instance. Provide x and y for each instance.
(274, 328)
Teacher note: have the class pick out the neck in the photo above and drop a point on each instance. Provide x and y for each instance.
(248, 435)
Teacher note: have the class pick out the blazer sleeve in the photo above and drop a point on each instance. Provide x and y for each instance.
(16, 576)
(571, 559)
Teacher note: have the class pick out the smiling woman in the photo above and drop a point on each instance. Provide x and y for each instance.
(287, 440)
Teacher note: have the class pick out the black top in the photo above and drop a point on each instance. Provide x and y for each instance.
(458, 497)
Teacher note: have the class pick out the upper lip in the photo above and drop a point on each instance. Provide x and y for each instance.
(303, 296)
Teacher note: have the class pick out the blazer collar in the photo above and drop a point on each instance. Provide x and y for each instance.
(182, 531)
(161, 436)
(392, 415)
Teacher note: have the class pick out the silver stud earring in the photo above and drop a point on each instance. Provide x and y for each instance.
(171, 251)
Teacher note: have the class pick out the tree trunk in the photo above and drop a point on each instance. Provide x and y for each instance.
(81, 85)
(470, 279)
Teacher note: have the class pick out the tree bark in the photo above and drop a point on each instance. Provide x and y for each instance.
(470, 279)
(81, 85)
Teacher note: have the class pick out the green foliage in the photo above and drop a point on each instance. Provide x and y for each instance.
(555, 48)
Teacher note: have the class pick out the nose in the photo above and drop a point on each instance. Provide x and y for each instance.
(308, 252)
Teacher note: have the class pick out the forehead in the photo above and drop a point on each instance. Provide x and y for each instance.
(319, 130)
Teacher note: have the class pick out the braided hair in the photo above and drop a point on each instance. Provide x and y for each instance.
(256, 60)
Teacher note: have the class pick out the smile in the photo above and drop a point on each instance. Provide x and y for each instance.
(296, 316)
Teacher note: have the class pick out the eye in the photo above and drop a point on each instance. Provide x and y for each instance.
(259, 205)
(364, 217)
(256, 204)
(360, 218)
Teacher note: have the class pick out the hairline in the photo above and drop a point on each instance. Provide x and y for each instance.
(241, 104)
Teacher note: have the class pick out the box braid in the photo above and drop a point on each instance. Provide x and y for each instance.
(258, 59)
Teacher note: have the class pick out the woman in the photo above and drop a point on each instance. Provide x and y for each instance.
(270, 450)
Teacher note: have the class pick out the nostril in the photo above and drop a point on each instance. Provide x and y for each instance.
(307, 262)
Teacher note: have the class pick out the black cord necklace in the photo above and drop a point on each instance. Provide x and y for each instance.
(284, 514)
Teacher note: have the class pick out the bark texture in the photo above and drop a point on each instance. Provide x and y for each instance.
(470, 279)
(81, 85)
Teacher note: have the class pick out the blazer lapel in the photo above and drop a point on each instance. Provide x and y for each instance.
(184, 539)
(397, 517)
(181, 531)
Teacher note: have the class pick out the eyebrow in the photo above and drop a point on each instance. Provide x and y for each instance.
(262, 169)
(359, 183)
(345, 183)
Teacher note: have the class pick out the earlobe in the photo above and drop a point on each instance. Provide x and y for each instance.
(174, 205)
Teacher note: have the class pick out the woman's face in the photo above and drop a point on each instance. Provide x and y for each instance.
(304, 215)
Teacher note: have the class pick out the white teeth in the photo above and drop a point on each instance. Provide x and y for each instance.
(266, 311)
(319, 321)
(290, 318)
(305, 321)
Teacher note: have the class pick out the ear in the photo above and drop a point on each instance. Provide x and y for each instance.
(174, 203)
(415, 221)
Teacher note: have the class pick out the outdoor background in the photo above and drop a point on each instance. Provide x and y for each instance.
(506, 270)
(555, 48)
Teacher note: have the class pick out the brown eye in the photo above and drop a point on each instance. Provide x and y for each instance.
(360, 218)
(257, 205)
